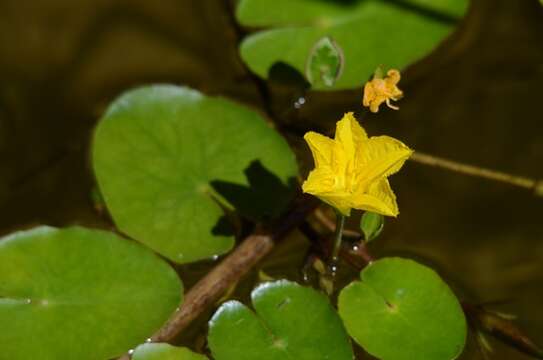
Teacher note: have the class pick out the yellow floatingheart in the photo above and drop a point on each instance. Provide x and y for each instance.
(351, 170)
(381, 90)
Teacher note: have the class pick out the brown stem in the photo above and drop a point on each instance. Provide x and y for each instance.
(360, 250)
(212, 286)
(215, 283)
(501, 327)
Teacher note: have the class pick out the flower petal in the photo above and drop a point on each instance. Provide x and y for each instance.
(376, 102)
(321, 180)
(340, 162)
(393, 77)
(321, 183)
(380, 156)
(379, 199)
(350, 134)
(341, 202)
(321, 148)
(369, 94)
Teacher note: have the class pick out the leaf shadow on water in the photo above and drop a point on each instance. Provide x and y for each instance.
(287, 75)
(263, 199)
(419, 8)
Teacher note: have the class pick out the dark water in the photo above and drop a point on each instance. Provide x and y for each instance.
(476, 99)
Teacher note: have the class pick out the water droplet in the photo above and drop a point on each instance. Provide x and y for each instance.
(215, 257)
(298, 103)
(131, 352)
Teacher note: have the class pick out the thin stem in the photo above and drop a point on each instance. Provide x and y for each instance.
(520, 181)
(330, 225)
(338, 236)
(355, 255)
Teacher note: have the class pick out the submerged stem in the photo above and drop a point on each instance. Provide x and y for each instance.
(340, 223)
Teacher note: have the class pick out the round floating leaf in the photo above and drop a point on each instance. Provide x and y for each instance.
(80, 294)
(155, 351)
(403, 310)
(370, 32)
(167, 158)
(291, 322)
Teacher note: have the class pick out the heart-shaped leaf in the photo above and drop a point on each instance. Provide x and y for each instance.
(167, 158)
(291, 322)
(403, 310)
(80, 294)
(370, 32)
(157, 351)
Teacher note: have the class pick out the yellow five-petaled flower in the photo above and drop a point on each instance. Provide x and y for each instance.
(351, 170)
(380, 90)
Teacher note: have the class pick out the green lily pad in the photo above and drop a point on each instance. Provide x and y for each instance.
(158, 351)
(370, 32)
(291, 322)
(168, 160)
(403, 310)
(80, 294)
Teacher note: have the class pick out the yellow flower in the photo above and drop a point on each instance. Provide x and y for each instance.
(351, 170)
(380, 90)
